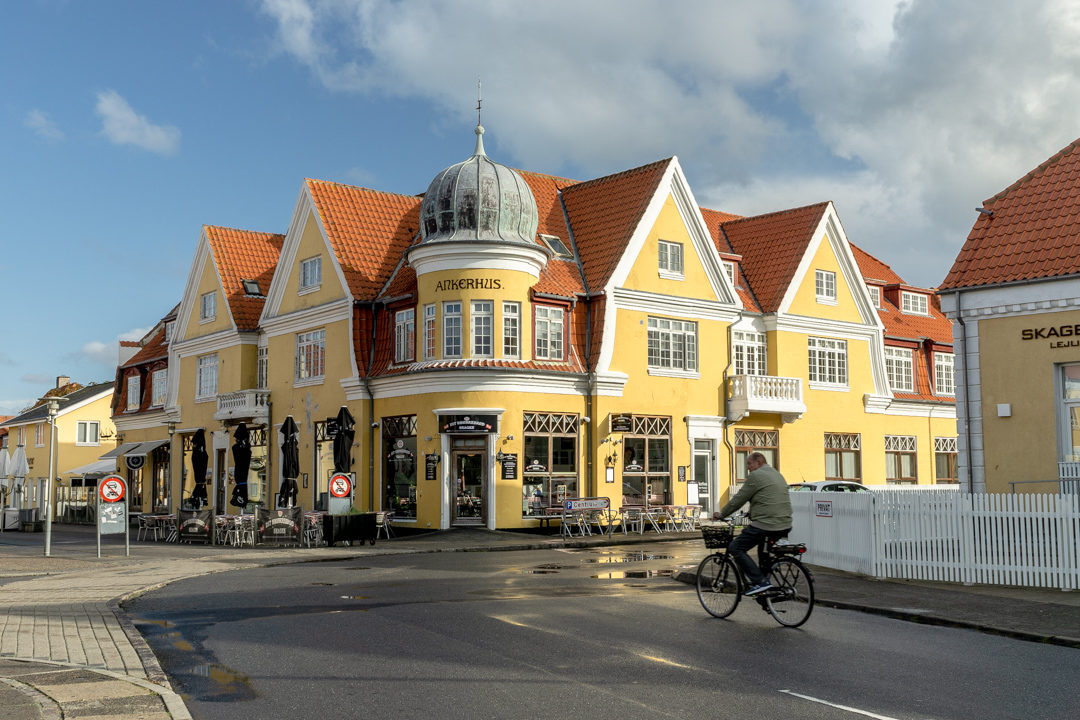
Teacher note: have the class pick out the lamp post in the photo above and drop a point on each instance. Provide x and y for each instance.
(53, 404)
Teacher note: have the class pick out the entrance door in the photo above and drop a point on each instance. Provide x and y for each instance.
(703, 474)
(468, 507)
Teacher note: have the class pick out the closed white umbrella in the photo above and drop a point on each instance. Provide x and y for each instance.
(4, 460)
(18, 468)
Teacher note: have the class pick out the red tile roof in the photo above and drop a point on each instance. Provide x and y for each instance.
(1034, 231)
(713, 220)
(244, 255)
(873, 269)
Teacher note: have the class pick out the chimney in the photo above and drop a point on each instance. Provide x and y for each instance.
(62, 380)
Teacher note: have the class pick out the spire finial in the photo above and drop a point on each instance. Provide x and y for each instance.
(479, 128)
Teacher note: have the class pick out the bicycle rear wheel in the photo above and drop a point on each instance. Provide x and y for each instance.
(719, 585)
(792, 600)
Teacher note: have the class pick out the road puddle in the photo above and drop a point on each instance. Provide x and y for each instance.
(632, 574)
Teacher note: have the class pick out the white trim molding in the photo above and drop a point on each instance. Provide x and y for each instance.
(465, 255)
(473, 380)
(704, 427)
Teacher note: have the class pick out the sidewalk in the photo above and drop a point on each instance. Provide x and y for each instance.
(68, 650)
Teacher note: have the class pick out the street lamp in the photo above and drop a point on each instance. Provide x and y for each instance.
(53, 405)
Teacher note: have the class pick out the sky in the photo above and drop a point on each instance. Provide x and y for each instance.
(125, 125)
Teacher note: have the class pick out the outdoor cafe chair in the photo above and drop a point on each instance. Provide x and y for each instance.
(633, 518)
(148, 527)
(382, 524)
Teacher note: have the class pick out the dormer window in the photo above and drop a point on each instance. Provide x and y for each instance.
(557, 246)
(875, 295)
(311, 273)
(825, 286)
(914, 303)
(729, 270)
(670, 259)
(251, 287)
(169, 331)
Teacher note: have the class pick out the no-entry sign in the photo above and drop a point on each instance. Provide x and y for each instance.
(112, 489)
(340, 486)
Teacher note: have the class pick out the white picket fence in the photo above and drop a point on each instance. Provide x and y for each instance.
(1025, 540)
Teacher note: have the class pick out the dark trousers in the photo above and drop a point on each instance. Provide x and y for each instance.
(752, 537)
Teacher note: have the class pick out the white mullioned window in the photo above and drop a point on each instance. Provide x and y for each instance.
(914, 303)
(310, 355)
(828, 361)
(825, 286)
(751, 353)
(262, 368)
(482, 317)
(672, 344)
(169, 326)
(208, 307)
(451, 329)
(311, 273)
(511, 314)
(404, 335)
(901, 466)
(670, 258)
(206, 377)
(729, 270)
(944, 373)
(549, 333)
(875, 295)
(429, 331)
(133, 399)
(900, 368)
(87, 432)
(159, 383)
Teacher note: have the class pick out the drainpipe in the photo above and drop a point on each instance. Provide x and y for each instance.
(589, 469)
(967, 392)
(727, 420)
(371, 407)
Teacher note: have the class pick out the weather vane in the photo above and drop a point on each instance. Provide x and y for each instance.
(479, 101)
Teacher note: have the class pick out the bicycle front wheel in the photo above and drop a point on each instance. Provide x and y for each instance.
(719, 585)
(792, 599)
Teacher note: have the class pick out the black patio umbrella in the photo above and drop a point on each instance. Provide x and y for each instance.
(241, 451)
(290, 462)
(199, 460)
(343, 441)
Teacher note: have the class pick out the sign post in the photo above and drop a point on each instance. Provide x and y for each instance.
(112, 511)
(341, 489)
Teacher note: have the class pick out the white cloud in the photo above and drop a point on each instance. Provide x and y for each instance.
(123, 126)
(108, 353)
(16, 406)
(43, 126)
(908, 113)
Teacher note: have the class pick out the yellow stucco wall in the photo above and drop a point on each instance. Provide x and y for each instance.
(208, 282)
(805, 300)
(644, 273)
(311, 245)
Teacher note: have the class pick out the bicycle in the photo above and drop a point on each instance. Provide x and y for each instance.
(720, 584)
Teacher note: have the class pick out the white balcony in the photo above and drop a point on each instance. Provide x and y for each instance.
(765, 394)
(243, 405)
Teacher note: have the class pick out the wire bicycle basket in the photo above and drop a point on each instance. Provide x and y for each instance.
(717, 536)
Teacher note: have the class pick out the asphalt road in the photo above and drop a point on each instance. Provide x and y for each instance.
(564, 634)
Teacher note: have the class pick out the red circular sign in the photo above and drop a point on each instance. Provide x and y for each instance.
(340, 486)
(112, 488)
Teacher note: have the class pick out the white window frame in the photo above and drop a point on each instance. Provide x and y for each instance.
(262, 367)
(82, 430)
(549, 324)
(511, 317)
(751, 352)
(482, 321)
(206, 377)
(159, 387)
(828, 364)
(310, 366)
(672, 347)
(670, 260)
(310, 274)
(451, 329)
(897, 446)
(729, 270)
(430, 320)
(208, 307)
(169, 327)
(405, 335)
(912, 303)
(825, 287)
(875, 295)
(945, 373)
(133, 393)
(900, 369)
(39, 434)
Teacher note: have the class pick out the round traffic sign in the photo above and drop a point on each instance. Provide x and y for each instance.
(112, 488)
(340, 485)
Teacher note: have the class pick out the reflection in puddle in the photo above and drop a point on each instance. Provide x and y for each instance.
(632, 574)
(626, 558)
(354, 597)
(218, 683)
(538, 571)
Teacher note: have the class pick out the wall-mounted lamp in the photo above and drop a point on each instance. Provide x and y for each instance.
(509, 438)
(586, 419)
(375, 424)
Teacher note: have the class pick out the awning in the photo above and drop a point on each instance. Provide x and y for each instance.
(146, 448)
(98, 468)
(118, 451)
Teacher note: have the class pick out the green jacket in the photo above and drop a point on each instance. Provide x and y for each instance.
(770, 502)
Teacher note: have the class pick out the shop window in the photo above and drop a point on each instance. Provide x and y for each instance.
(549, 333)
(399, 465)
(322, 466)
(429, 332)
(751, 353)
(646, 453)
(482, 317)
(208, 307)
(1068, 412)
(550, 461)
(828, 361)
(672, 345)
(451, 330)
(944, 374)
(133, 393)
(900, 369)
(311, 273)
(511, 330)
(945, 470)
(825, 286)
(310, 355)
(159, 385)
(404, 335)
(206, 377)
(900, 460)
(766, 442)
(843, 456)
(670, 259)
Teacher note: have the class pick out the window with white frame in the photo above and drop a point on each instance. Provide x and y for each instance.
(671, 258)
(451, 329)
(751, 353)
(828, 361)
(900, 369)
(133, 399)
(262, 368)
(944, 375)
(1068, 412)
(404, 335)
(914, 303)
(672, 344)
(825, 286)
(729, 270)
(429, 332)
(482, 318)
(41, 434)
(208, 307)
(310, 355)
(159, 383)
(875, 295)
(169, 326)
(206, 377)
(511, 316)
(900, 460)
(549, 333)
(87, 432)
(311, 273)
(22, 435)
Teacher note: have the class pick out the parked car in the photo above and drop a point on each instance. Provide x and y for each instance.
(829, 486)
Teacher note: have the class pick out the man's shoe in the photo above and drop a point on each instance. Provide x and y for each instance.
(758, 589)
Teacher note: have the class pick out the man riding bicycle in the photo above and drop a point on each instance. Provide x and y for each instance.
(770, 517)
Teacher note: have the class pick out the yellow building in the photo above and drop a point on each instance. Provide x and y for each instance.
(511, 339)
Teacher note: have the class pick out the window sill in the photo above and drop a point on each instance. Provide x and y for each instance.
(87, 444)
(309, 289)
(204, 320)
(830, 387)
(307, 382)
(672, 373)
(826, 300)
(671, 275)
(207, 398)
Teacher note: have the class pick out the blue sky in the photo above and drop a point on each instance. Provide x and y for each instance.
(126, 125)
